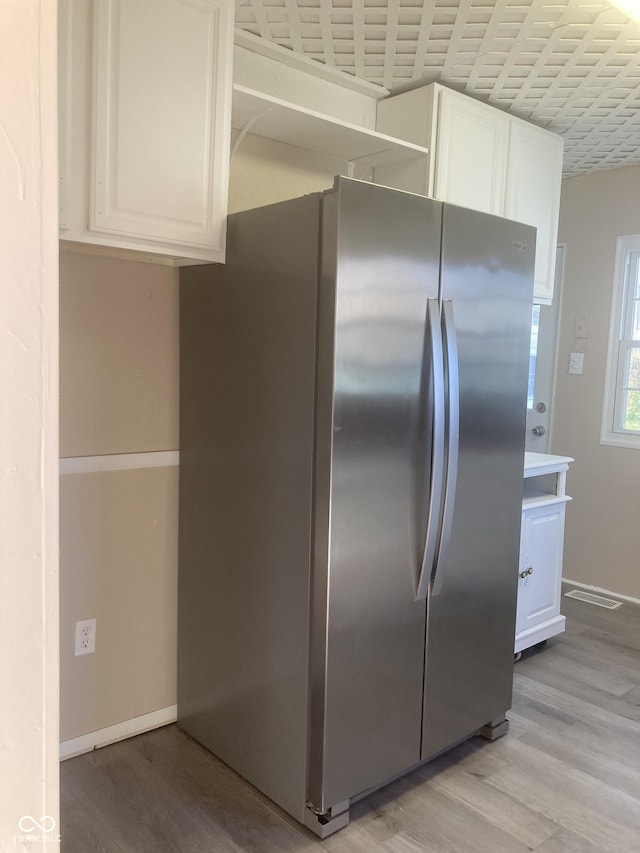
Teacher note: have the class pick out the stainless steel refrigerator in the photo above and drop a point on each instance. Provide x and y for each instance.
(353, 393)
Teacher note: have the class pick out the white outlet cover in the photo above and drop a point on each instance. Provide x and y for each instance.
(85, 637)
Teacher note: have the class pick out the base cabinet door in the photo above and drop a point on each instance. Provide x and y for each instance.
(540, 575)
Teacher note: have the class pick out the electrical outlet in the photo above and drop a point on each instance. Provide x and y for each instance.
(85, 637)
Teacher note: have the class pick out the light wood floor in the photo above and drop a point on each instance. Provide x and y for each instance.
(566, 779)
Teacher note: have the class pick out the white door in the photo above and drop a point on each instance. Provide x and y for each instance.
(542, 365)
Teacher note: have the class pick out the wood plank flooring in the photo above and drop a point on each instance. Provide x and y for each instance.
(566, 779)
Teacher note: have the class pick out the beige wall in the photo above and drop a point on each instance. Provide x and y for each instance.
(119, 558)
(602, 544)
(264, 171)
(118, 531)
(119, 394)
(118, 356)
(29, 431)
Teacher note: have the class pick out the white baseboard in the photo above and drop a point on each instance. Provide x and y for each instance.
(601, 590)
(128, 728)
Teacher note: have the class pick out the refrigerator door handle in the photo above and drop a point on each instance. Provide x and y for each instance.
(436, 489)
(450, 346)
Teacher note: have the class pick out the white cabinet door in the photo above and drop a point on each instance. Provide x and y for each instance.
(538, 607)
(471, 153)
(146, 107)
(534, 174)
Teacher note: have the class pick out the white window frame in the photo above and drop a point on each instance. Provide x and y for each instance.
(619, 325)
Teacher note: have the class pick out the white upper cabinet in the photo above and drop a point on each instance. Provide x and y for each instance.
(471, 150)
(534, 174)
(145, 97)
(481, 158)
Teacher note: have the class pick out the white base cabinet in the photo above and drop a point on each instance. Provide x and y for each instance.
(481, 158)
(540, 573)
(145, 115)
(538, 614)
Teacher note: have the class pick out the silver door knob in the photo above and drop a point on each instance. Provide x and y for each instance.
(539, 430)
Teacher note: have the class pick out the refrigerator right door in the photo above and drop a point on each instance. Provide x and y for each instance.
(486, 291)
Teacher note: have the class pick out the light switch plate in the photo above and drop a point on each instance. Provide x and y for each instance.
(576, 360)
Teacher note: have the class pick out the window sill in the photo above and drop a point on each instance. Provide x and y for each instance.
(631, 442)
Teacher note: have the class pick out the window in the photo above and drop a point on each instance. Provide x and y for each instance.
(533, 354)
(621, 411)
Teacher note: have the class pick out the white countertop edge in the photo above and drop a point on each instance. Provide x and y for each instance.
(544, 463)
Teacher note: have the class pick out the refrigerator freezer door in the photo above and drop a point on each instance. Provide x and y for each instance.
(380, 264)
(487, 273)
(247, 424)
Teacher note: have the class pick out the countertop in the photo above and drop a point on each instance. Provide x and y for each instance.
(544, 463)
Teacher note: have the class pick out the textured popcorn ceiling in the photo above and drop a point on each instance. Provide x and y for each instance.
(571, 66)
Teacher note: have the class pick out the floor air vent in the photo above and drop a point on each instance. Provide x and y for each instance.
(590, 598)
